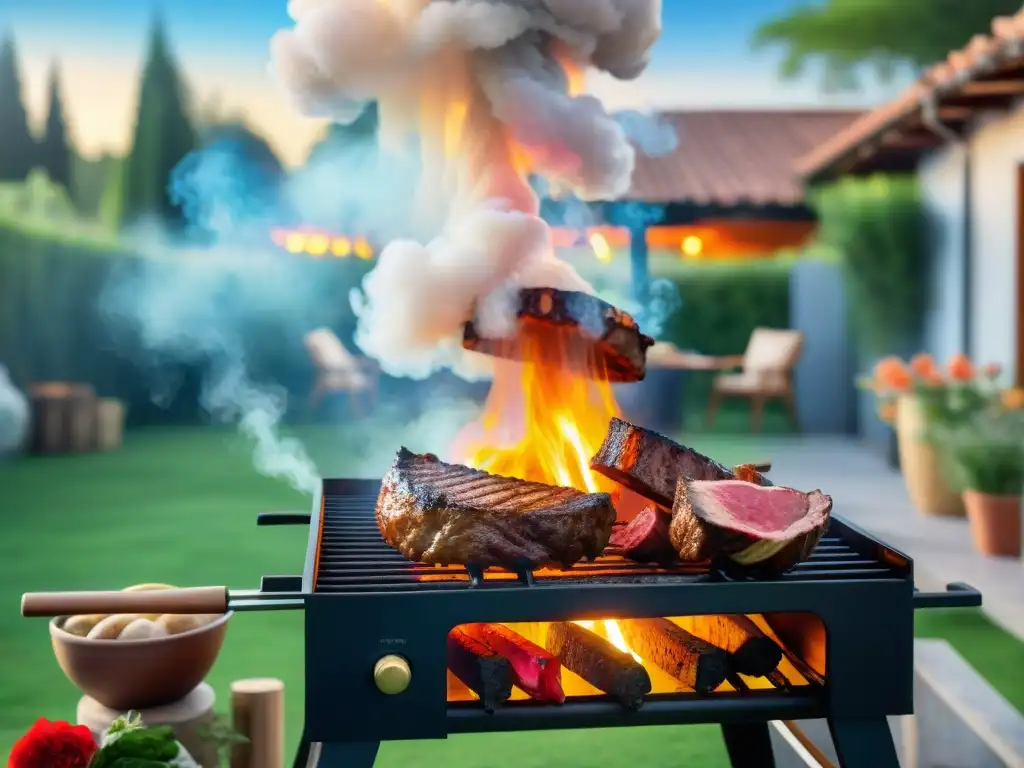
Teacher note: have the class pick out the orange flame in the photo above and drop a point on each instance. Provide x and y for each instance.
(541, 423)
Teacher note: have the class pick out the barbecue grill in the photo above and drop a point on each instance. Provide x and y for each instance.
(377, 622)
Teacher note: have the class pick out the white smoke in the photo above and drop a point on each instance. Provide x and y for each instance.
(506, 57)
(14, 415)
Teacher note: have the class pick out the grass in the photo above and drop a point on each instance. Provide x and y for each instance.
(991, 651)
(178, 506)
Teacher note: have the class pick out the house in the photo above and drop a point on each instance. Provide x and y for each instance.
(727, 189)
(960, 127)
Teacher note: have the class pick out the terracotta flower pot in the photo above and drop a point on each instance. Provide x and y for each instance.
(926, 484)
(995, 523)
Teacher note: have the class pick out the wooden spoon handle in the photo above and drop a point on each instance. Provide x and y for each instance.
(191, 600)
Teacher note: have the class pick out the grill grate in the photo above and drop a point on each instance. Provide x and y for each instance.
(354, 558)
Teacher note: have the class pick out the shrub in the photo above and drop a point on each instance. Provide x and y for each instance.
(880, 230)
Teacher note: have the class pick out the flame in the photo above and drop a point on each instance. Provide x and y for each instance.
(599, 244)
(612, 634)
(541, 423)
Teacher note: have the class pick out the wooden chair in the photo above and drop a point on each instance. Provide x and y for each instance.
(766, 374)
(338, 371)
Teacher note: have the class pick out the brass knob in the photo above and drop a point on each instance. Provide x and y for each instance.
(392, 675)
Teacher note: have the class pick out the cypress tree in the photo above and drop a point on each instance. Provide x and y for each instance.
(17, 148)
(54, 152)
(162, 137)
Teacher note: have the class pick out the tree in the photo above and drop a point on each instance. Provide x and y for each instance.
(162, 137)
(843, 34)
(54, 154)
(16, 143)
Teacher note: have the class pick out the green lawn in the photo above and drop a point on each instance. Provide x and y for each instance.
(179, 506)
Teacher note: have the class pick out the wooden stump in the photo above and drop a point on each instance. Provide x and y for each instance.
(188, 718)
(109, 424)
(63, 417)
(257, 708)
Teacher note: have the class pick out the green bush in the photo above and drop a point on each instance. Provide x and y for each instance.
(879, 228)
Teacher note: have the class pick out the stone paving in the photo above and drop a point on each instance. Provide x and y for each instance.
(872, 495)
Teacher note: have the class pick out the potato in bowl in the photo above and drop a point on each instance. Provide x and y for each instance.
(138, 661)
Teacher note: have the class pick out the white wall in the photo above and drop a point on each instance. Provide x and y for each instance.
(942, 187)
(996, 147)
(997, 150)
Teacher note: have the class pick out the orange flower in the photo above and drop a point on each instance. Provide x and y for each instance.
(923, 366)
(991, 370)
(1013, 398)
(960, 368)
(887, 412)
(891, 373)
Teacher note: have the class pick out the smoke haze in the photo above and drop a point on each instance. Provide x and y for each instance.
(490, 89)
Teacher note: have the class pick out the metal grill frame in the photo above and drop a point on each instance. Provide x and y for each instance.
(869, 659)
(869, 622)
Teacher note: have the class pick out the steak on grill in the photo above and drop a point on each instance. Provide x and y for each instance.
(768, 529)
(645, 539)
(650, 464)
(569, 330)
(434, 512)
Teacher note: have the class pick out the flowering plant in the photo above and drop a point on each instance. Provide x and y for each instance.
(947, 397)
(985, 452)
(127, 744)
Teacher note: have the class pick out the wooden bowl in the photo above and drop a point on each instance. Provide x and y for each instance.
(139, 674)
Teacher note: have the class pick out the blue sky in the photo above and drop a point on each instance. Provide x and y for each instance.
(703, 60)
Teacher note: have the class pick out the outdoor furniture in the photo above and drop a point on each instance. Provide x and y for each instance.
(338, 371)
(658, 401)
(64, 417)
(766, 373)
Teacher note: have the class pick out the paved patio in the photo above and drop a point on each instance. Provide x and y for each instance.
(872, 495)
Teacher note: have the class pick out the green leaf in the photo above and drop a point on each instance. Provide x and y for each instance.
(154, 744)
(138, 762)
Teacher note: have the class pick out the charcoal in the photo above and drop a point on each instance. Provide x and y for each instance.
(690, 660)
(480, 669)
(599, 663)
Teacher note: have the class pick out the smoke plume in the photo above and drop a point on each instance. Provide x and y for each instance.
(489, 91)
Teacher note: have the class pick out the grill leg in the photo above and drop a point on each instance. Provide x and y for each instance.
(864, 743)
(748, 745)
(356, 754)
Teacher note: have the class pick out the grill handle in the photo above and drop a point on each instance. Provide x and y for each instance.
(957, 595)
(283, 518)
(191, 600)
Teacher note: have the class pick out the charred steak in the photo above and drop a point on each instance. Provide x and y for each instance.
(433, 512)
(650, 464)
(768, 529)
(569, 330)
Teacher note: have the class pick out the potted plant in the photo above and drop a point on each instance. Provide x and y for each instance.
(985, 455)
(917, 398)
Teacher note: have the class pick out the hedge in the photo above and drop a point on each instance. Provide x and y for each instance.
(52, 326)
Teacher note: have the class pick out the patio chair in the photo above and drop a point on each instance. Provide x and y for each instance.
(766, 373)
(338, 371)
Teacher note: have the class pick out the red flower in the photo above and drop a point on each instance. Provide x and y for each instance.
(53, 745)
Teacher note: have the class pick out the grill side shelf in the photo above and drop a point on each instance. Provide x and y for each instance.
(957, 595)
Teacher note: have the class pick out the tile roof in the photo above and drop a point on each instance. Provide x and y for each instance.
(982, 54)
(731, 157)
